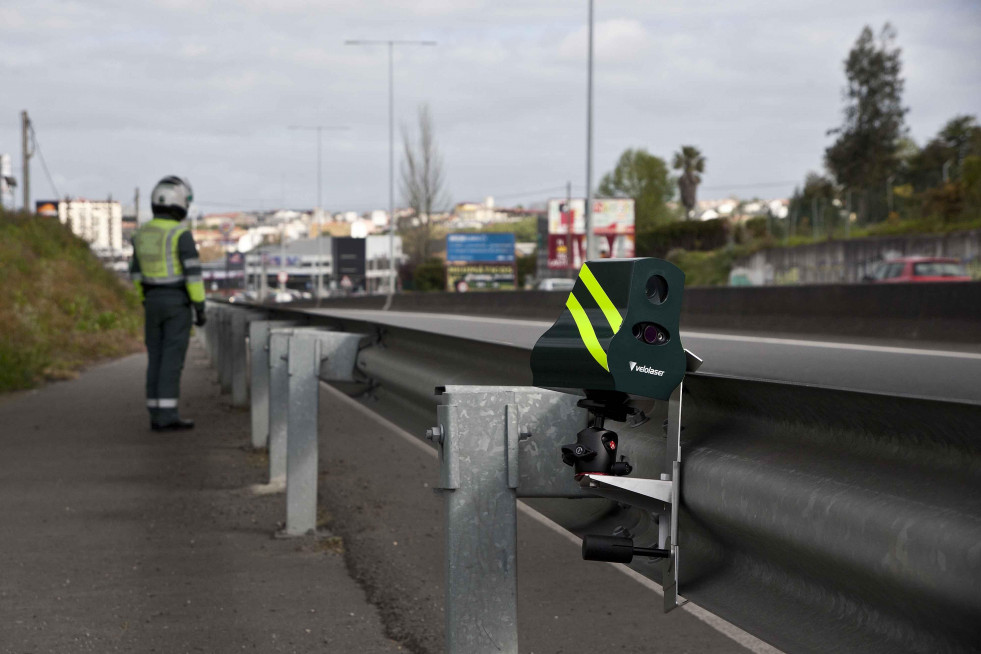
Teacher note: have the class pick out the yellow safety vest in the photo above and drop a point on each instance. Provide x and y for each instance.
(155, 246)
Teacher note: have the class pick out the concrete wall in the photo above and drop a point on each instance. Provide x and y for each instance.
(835, 262)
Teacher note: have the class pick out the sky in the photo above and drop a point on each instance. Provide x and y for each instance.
(123, 92)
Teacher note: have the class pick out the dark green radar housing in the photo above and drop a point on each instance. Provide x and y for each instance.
(618, 332)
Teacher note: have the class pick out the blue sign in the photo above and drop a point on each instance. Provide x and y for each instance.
(480, 247)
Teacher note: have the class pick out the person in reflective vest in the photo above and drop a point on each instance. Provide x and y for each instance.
(167, 273)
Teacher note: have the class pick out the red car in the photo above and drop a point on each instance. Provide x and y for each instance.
(918, 269)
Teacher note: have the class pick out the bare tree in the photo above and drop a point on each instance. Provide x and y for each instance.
(422, 184)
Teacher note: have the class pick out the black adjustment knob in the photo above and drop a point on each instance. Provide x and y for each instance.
(621, 468)
(575, 452)
(616, 549)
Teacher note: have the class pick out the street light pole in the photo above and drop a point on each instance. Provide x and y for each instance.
(591, 252)
(391, 43)
(320, 205)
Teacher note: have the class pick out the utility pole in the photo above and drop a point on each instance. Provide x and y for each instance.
(391, 148)
(25, 126)
(320, 204)
(136, 206)
(889, 182)
(591, 252)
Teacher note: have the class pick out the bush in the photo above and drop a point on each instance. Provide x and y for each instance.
(430, 275)
(704, 268)
(689, 235)
(526, 267)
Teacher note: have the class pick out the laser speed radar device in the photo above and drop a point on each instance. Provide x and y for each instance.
(617, 341)
(617, 337)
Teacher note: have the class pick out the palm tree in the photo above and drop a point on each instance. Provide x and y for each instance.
(691, 162)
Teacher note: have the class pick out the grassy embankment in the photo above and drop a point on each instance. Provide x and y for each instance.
(59, 308)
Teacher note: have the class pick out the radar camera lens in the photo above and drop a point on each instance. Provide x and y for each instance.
(651, 334)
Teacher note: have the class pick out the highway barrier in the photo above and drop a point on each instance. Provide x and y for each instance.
(288, 362)
(815, 518)
(922, 312)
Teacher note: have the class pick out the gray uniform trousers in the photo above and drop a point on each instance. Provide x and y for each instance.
(168, 330)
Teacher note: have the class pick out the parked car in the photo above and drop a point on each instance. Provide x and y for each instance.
(918, 269)
(555, 284)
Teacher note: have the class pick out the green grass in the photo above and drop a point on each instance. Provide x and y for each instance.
(59, 308)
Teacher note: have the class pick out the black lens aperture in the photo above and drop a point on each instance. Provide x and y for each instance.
(651, 334)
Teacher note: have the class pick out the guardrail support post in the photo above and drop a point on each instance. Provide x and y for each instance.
(476, 433)
(314, 355)
(279, 394)
(259, 332)
(225, 350)
(240, 352)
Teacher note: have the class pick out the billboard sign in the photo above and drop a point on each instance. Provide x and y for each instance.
(480, 262)
(480, 247)
(47, 208)
(613, 224)
(349, 261)
(235, 261)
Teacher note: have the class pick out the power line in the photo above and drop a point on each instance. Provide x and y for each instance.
(44, 164)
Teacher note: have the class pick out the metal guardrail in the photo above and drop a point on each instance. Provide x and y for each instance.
(931, 312)
(816, 519)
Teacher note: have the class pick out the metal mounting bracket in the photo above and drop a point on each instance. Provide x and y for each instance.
(660, 496)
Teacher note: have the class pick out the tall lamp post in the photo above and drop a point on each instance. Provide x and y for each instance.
(591, 251)
(391, 43)
(320, 205)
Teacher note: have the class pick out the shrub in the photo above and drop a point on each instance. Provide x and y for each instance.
(430, 275)
(689, 235)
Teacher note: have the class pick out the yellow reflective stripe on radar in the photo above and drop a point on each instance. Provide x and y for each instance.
(586, 331)
(602, 299)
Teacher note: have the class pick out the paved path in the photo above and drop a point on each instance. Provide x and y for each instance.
(117, 539)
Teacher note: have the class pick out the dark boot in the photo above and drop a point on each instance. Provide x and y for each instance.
(180, 424)
(170, 420)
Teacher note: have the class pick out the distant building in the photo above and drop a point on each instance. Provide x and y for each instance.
(98, 223)
(303, 260)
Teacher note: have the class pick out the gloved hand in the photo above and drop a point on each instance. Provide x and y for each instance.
(199, 316)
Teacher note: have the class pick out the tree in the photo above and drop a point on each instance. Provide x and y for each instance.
(422, 185)
(643, 177)
(814, 204)
(865, 153)
(958, 139)
(690, 162)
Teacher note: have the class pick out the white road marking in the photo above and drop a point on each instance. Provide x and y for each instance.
(712, 336)
(832, 345)
(724, 627)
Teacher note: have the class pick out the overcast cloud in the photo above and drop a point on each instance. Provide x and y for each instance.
(122, 92)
